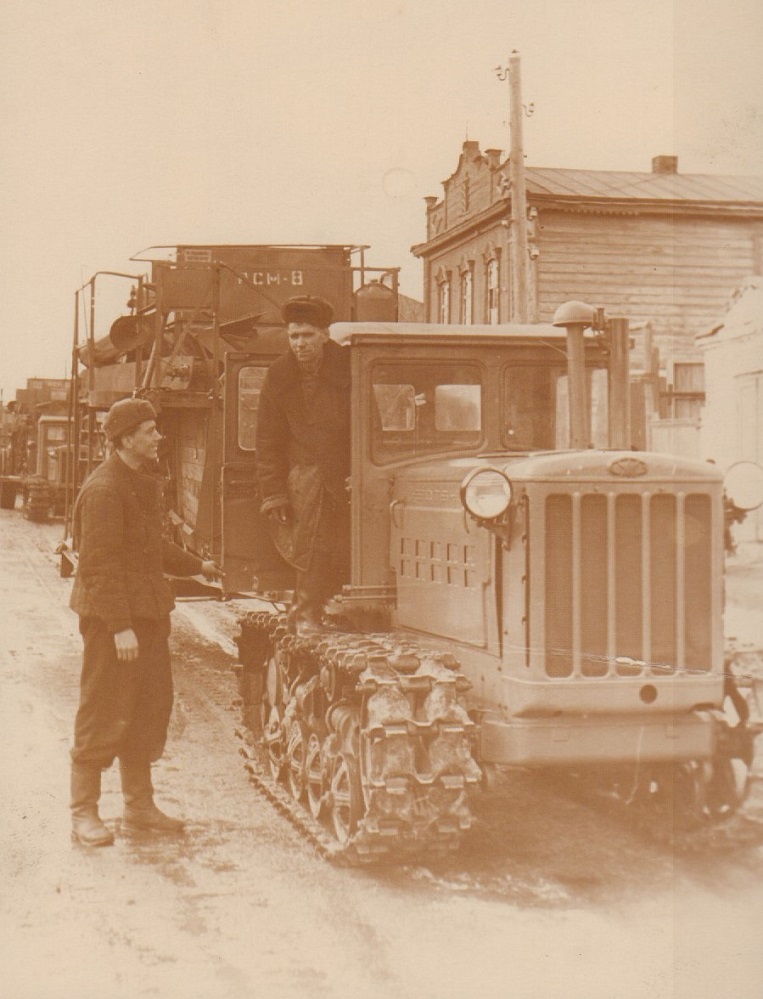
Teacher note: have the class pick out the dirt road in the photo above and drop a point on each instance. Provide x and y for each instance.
(549, 899)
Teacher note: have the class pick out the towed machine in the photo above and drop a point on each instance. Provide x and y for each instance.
(526, 590)
(34, 451)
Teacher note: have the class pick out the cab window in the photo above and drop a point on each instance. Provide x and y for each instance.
(425, 409)
(529, 407)
(535, 407)
(250, 379)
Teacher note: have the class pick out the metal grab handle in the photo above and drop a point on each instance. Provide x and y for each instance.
(392, 510)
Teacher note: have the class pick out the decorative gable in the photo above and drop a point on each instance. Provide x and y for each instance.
(472, 187)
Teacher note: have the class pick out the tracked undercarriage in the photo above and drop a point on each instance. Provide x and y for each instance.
(362, 739)
(366, 730)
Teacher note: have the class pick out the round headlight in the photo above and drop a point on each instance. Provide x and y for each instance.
(486, 493)
(743, 483)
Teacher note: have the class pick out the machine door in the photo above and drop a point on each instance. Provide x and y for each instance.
(250, 560)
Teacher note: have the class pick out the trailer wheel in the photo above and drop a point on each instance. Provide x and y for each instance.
(37, 514)
(37, 502)
(7, 496)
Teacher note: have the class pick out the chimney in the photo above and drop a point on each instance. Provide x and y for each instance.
(664, 164)
(493, 157)
(430, 202)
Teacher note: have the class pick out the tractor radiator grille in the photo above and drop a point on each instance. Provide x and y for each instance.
(628, 583)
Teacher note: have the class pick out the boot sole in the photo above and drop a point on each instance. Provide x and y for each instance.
(103, 841)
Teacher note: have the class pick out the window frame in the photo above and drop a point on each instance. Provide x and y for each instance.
(466, 297)
(492, 290)
(417, 443)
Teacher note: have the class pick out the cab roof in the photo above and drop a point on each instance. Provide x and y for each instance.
(345, 333)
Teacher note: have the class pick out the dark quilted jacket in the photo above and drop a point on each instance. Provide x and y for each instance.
(122, 555)
(292, 433)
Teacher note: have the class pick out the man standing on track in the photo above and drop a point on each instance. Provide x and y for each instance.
(124, 603)
(303, 457)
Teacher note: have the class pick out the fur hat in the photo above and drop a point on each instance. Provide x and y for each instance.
(308, 309)
(126, 416)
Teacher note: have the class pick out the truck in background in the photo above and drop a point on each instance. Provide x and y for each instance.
(34, 449)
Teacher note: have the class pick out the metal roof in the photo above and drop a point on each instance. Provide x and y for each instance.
(558, 182)
(744, 315)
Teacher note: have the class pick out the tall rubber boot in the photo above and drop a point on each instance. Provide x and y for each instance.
(87, 827)
(305, 615)
(138, 791)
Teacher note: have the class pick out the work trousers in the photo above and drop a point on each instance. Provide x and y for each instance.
(329, 566)
(125, 707)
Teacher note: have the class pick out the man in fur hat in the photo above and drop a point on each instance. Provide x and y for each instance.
(303, 457)
(124, 603)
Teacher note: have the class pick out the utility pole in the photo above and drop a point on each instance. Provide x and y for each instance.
(519, 251)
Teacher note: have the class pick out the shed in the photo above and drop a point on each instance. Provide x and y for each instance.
(731, 422)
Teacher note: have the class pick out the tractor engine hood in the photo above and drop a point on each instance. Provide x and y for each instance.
(590, 466)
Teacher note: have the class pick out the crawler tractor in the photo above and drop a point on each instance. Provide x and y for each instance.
(526, 590)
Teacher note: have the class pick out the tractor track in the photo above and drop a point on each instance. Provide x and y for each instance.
(670, 809)
(311, 831)
(657, 826)
(367, 728)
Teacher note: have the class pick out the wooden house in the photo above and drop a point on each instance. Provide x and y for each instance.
(663, 248)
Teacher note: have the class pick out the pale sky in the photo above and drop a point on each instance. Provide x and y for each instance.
(142, 122)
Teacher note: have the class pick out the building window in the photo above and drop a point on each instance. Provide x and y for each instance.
(443, 301)
(467, 297)
(492, 310)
